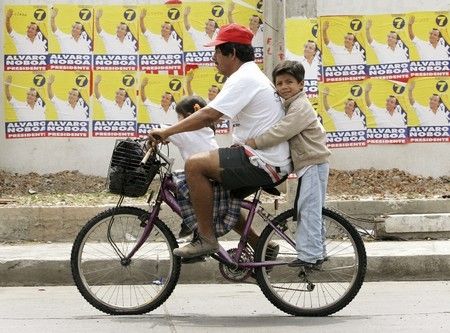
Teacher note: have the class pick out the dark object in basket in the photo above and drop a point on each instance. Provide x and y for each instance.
(126, 175)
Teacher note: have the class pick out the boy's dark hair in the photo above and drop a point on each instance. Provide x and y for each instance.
(185, 107)
(244, 53)
(290, 67)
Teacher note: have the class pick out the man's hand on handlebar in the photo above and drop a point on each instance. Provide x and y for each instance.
(156, 136)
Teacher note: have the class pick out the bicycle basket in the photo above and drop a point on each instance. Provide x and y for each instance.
(126, 175)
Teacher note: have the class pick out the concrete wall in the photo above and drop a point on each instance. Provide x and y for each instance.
(91, 156)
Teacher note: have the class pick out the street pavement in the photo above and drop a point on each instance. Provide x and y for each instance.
(379, 307)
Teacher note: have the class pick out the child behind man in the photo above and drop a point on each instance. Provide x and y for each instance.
(307, 143)
(190, 143)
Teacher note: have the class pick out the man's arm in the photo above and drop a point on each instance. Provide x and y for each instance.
(97, 80)
(326, 91)
(325, 27)
(7, 84)
(142, 89)
(50, 81)
(141, 20)
(368, 35)
(366, 94)
(189, 77)
(410, 27)
(186, 13)
(230, 12)
(199, 119)
(411, 86)
(98, 15)
(53, 19)
(9, 13)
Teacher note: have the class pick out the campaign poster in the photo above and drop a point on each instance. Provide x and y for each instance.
(114, 101)
(249, 13)
(201, 23)
(161, 38)
(430, 109)
(71, 37)
(386, 111)
(343, 48)
(25, 38)
(429, 35)
(206, 82)
(116, 38)
(158, 95)
(68, 109)
(302, 46)
(25, 104)
(341, 108)
(387, 47)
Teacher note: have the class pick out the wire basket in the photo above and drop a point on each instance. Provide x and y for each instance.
(126, 175)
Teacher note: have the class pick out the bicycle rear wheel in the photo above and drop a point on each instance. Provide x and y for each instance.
(307, 292)
(117, 286)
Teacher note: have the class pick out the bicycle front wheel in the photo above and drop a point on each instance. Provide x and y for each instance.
(113, 284)
(312, 292)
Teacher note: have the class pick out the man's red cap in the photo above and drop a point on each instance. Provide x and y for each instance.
(232, 33)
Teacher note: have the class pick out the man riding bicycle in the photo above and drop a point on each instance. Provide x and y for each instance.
(249, 98)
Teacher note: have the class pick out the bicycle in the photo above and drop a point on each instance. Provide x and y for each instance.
(122, 261)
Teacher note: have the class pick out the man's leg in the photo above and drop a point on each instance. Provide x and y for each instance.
(200, 169)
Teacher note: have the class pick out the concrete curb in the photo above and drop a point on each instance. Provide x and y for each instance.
(62, 223)
(49, 264)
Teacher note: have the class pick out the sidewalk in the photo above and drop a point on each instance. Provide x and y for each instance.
(49, 264)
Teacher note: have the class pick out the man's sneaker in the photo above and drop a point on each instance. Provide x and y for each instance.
(193, 260)
(185, 231)
(300, 263)
(197, 247)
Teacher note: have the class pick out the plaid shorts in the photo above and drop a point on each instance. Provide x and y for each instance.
(226, 209)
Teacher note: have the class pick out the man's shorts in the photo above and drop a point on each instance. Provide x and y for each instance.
(238, 173)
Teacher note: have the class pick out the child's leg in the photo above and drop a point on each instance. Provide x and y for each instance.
(310, 230)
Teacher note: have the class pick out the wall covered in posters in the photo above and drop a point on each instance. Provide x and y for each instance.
(382, 79)
(97, 70)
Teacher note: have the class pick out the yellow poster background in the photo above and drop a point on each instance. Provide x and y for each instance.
(21, 18)
(21, 82)
(109, 84)
(66, 17)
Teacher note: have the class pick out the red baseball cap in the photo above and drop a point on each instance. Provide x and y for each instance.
(232, 33)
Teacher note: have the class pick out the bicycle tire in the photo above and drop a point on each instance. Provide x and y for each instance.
(108, 285)
(316, 292)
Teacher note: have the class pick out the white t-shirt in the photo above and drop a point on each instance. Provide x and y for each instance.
(343, 57)
(190, 143)
(258, 40)
(159, 116)
(429, 118)
(429, 52)
(343, 122)
(69, 45)
(160, 46)
(24, 45)
(384, 119)
(249, 98)
(311, 69)
(386, 55)
(67, 112)
(201, 38)
(113, 45)
(113, 111)
(25, 113)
